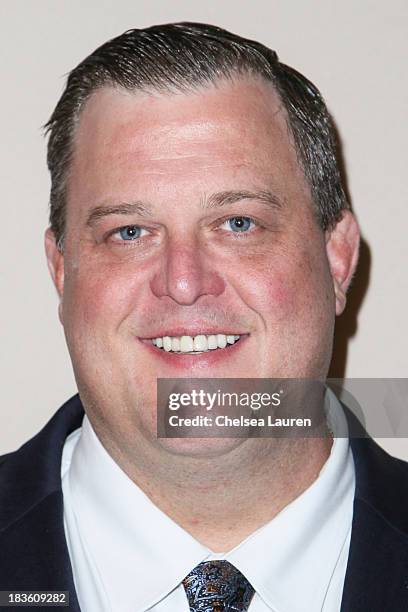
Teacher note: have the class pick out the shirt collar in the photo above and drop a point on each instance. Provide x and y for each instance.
(289, 561)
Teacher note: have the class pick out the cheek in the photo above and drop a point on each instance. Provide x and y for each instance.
(99, 298)
(274, 296)
(293, 288)
(275, 290)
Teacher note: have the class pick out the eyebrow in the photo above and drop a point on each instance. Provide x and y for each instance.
(99, 212)
(215, 200)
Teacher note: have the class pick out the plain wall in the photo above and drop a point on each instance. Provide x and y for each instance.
(355, 51)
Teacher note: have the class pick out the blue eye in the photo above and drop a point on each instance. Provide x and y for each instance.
(130, 232)
(239, 224)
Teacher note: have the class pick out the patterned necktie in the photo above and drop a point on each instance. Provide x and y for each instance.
(217, 586)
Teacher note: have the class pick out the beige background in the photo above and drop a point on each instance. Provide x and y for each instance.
(354, 50)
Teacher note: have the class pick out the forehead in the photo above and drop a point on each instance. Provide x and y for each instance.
(237, 129)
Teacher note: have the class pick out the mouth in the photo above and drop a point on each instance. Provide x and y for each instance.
(195, 345)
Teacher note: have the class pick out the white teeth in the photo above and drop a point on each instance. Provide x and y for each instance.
(221, 340)
(198, 344)
(167, 343)
(175, 344)
(186, 344)
(212, 342)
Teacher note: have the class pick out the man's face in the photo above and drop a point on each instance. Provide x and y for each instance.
(188, 215)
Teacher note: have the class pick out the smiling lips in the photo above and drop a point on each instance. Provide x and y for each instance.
(194, 344)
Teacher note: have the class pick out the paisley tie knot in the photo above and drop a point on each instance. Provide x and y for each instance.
(217, 586)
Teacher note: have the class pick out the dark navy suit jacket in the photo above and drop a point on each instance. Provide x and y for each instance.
(34, 554)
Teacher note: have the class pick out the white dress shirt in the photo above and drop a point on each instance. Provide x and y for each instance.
(128, 556)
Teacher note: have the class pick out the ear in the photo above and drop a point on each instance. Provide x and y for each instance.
(55, 261)
(342, 243)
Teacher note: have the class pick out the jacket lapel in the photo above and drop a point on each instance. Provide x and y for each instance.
(34, 554)
(377, 569)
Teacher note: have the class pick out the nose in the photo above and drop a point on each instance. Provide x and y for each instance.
(186, 274)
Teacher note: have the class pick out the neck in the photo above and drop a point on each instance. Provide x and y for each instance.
(227, 492)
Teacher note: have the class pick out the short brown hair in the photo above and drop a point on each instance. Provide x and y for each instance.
(181, 57)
